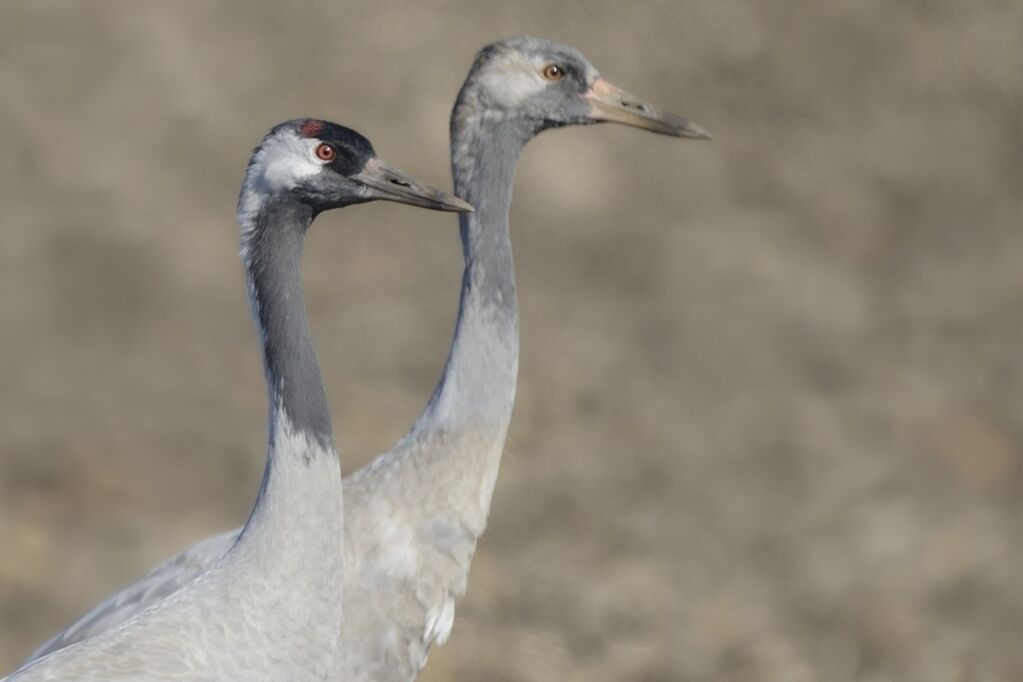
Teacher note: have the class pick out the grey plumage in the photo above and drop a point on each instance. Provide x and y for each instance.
(413, 516)
(274, 252)
(267, 606)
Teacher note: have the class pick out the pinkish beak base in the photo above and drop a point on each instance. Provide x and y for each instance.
(610, 103)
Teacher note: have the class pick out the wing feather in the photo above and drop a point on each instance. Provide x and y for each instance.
(161, 582)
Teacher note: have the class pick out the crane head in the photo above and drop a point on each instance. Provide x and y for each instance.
(326, 165)
(547, 85)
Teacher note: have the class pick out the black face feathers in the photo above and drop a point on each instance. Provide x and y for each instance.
(353, 150)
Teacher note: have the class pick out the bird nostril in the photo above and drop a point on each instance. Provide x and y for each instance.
(400, 183)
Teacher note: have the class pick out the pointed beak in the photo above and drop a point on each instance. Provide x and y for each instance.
(611, 103)
(390, 184)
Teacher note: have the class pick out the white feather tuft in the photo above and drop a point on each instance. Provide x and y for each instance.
(281, 162)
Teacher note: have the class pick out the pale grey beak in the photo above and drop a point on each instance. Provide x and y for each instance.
(390, 184)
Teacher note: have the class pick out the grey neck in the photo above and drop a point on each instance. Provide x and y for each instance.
(478, 384)
(272, 248)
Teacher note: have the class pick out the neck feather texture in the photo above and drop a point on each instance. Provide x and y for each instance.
(477, 389)
(302, 481)
(273, 258)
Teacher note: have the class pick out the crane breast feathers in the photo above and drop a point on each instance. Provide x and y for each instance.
(161, 582)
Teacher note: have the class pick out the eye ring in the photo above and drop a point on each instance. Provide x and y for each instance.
(325, 152)
(553, 72)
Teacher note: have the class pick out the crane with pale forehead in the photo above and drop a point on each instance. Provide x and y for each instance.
(413, 515)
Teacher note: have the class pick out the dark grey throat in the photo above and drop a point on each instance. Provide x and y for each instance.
(273, 260)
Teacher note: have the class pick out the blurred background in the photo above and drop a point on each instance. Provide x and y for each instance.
(770, 415)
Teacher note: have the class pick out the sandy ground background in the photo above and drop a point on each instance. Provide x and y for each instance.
(770, 423)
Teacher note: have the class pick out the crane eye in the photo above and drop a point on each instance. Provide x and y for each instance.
(325, 152)
(553, 72)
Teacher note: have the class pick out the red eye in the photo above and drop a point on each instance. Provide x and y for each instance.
(553, 72)
(325, 152)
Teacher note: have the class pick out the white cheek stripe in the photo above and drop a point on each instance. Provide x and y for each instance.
(282, 161)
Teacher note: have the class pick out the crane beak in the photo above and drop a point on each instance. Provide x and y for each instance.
(611, 103)
(386, 183)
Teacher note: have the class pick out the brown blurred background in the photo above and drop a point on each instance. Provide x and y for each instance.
(770, 419)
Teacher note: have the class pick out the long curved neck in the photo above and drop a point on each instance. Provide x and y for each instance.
(273, 255)
(300, 495)
(477, 389)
